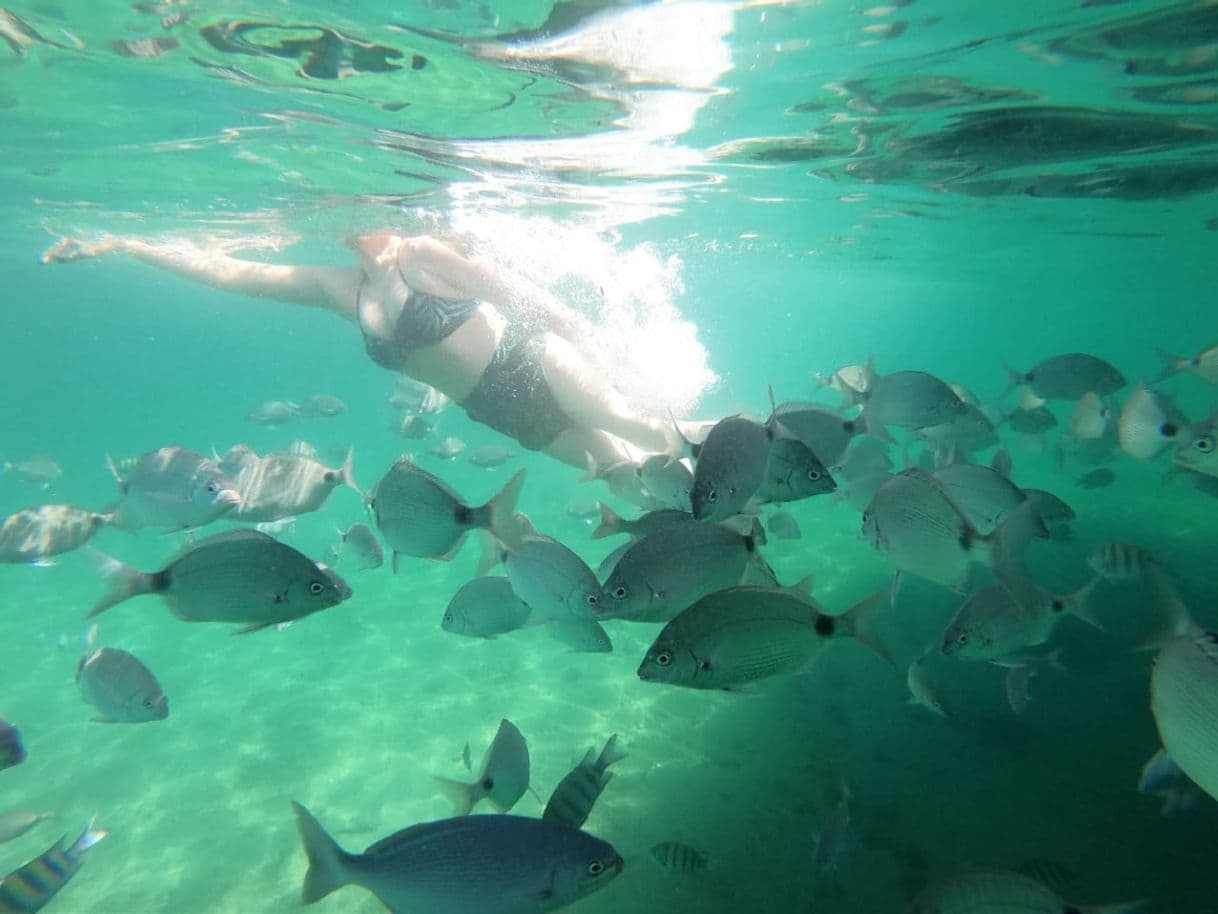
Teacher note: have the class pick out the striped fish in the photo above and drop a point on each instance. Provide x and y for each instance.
(576, 794)
(1120, 561)
(32, 886)
(675, 857)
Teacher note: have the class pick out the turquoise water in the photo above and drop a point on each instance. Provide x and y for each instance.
(943, 185)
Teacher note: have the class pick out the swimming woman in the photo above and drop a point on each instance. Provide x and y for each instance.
(503, 350)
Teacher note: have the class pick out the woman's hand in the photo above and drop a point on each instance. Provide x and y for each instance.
(66, 250)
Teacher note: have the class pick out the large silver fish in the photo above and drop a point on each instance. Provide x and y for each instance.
(793, 472)
(420, 515)
(36, 534)
(31, 887)
(730, 467)
(11, 751)
(1199, 450)
(1001, 893)
(738, 635)
(551, 579)
(464, 865)
(572, 800)
(1068, 377)
(240, 576)
(910, 400)
(284, 484)
(504, 776)
(982, 495)
(174, 488)
(484, 608)
(123, 690)
(1184, 701)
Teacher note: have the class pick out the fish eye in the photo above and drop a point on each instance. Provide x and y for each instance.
(620, 592)
(316, 587)
(814, 475)
(448, 618)
(712, 495)
(149, 703)
(866, 516)
(664, 658)
(962, 638)
(213, 487)
(1204, 444)
(595, 868)
(592, 599)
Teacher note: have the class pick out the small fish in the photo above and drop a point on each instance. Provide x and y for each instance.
(420, 515)
(586, 509)
(849, 381)
(1017, 680)
(1099, 478)
(1068, 377)
(826, 433)
(364, 546)
(965, 433)
(995, 623)
(322, 406)
(415, 427)
(273, 413)
(282, 484)
(793, 472)
(120, 687)
(730, 467)
(612, 523)
(39, 471)
(36, 534)
(238, 576)
(11, 751)
(1204, 365)
(676, 858)
(552, 579)
(833, 836)
(31, 887)
(623, 481)
(669, 479)
(463, 865)
(449, 449)
(783, 526)
(465, 758)
(174, 488)
(1162, 777)
(583, 636)
(742, 634)
(484, 608)
(922, 690)
(910, 400)
(572, 800)
(490, 455)
(1091, 417)
(1121, 561)
(1199, 451)
(1149, 424)
(984, 892)
(15, 824)
(504, 776)
(1031, 421)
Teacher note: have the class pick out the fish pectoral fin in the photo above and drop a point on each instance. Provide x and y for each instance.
(250, 629)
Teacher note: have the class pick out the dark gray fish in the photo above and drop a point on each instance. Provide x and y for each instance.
(273, 413)
(966, 433)
(584, 636)
(669, 479)
(983, 892)
(670, 569)
(281, 485)
(783, 526)
(505, 864)
(1031, 421)
(504, 776)
(1068, 377)
(36, 534)
(484, 608)
(123, 690)
(674, 857)
(420, 515)
(490, 455)
(322, 406)
(1099, 478)
(11, 751)
(175, 488)
(1052, 511)
(612, 523)
(31, 887)
(552, 579)
(1121, 561)
(240, 576)
(361, 542)
(15, 824)
(572, 800)
(793, 472)
(908, 399)
(415, 427)
(824, 431)
(730, 467)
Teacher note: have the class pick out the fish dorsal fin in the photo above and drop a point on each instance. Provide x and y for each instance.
(399, 838)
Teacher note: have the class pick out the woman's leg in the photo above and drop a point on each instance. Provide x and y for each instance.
(590, 449)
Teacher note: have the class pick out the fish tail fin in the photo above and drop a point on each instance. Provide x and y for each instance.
(327, 869)
(1172, 364)
(1014, 379)
(611, 522)
(1080, 605)
(90, 836)
(346, 472)
(462, 794)
(122, 582)
(859, 623)
(113, 468)
(592, 469)
(1001, 462)
(489, 555)
(501, 511)
(609, 755)
(875, 428)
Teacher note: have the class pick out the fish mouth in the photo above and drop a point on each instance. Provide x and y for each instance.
(229, 497)
(618, 865)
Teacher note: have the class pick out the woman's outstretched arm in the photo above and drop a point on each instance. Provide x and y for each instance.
(332, 288)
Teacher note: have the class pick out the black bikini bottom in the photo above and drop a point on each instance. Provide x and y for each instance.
(513, 397)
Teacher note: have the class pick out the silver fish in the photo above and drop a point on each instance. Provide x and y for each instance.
(503, 778)
(11, 751)
(449, 448)
(572, 800)
(1149, 424)
(490, 455)
(122, 689)
(584, 636)
(1099, 478)
(1053, 513)
(175, 488)
(849, 381)
(1031, 421)
(730, 467)
(31, 887)
(415, 427)
(39, 471)
(612, 523)
(322, 406)
(623, 481)
(1091, 418)
(1199, 450)
(552, 579)
(826, 433)
(240, 576)
(668, 570)
(420, 515)
(983, 496)
(15, 824)
(833, 836)
(922, 690)
(669, 479)
(985, 892)
(965, 433)
(36, 534)
(782, 524)
(273, 413)
(506, 864)
(484, 608)
(281, 485)
(793, 472)
(674, 857)
(362, 543)
(416, 396)
(738, 635)
(1184, 702)
(1068, 377)
(908, 399)
(1204, 365)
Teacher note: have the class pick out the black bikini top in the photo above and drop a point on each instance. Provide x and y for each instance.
(424, 320)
